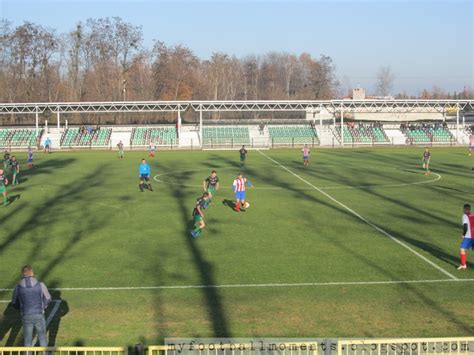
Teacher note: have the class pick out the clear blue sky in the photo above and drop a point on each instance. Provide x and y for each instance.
(425, 43)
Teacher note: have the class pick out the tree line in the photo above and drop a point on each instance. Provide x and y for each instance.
(105, 60)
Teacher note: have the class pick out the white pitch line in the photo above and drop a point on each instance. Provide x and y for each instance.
(438, 177)
(363, 219)
(265, 285)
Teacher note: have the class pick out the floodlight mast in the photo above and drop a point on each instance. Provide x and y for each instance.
(200, 125)
(37, 121)
(342, 125)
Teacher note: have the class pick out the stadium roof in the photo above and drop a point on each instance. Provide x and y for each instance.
(252, 106)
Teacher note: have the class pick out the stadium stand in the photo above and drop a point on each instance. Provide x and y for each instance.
(18, 138)
(225, 135)
(379, 134)
(363, 133)
(348, 138)
(76, 137)
(360, 134)
(440, 134)
(293, 134)
(417, 136)
(142, 136)
(427, 133)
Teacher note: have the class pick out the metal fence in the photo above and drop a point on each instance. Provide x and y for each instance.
(74, 350)
(415, 346)
(396, 346)
(281, 348)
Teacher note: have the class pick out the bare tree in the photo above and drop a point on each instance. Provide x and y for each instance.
(174, 72)
(94, 60)
(384, 81)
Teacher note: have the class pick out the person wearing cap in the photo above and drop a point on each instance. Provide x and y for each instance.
(31, 297)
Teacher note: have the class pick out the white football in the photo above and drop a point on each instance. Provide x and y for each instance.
(247, 205)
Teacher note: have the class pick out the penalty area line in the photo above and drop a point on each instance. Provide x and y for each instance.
(263, 285)
(363, 219)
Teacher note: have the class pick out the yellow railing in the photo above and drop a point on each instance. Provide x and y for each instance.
(64, 350)
(406, 346)
(282, 348)
(396, 346)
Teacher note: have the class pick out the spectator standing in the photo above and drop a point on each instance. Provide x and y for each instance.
(31, 297)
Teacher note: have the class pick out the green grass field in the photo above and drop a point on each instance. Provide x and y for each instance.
(311, 257)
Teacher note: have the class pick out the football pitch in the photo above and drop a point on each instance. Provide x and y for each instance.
(358, 244)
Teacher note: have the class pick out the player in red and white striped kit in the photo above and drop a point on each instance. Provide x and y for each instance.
(467, 235)
(238, 186)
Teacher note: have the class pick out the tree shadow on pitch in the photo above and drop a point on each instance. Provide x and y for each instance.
(418, 294)
(432, 249)
(215, 308)
(47, 167)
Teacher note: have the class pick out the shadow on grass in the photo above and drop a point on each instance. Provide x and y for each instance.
(419, 296)
(60, 310)
(215, 308)
(13, 198)
(10, 324)
(435, 251)
(49, 213)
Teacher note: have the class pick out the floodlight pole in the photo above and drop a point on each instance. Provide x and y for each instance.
(342, 125)
(457, 123)
(320, 118)
(37, 120)
(179, 122)
(58, 119)
(200, 126)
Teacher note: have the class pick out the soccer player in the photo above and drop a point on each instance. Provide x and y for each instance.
(47, 145)
(238, 186)
(30, 158)
(467, 234)
(306, 152)
(471, 145)
(15, 169)
(198, 215)
(152, 150)
(6, 159)
(120, 149)
(243, 155)
(3, 187)
(144, 176)
(426, 161)
(211, 185)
